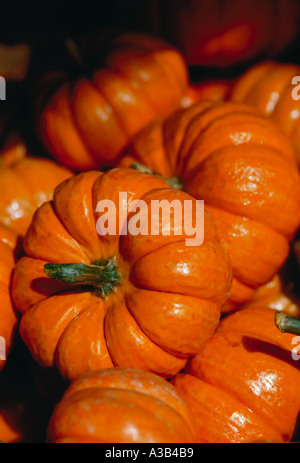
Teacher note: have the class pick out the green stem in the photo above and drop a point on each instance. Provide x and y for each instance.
(102, 277)
(173, 182)
(287, 323)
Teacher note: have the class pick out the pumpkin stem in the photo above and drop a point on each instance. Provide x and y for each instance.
(287, 323)
(103, 276)
(173, 182)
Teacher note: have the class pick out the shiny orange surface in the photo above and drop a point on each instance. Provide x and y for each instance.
(269, 87)
(244, 168)
(166, 307)
(244, 386)
(86, 125)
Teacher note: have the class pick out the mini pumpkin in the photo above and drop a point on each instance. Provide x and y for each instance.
(244, 169)
(270, 87)
(145, 301)
(86, 124)
(144, 407)
(243, 387)
(26, 182)
(276, 296)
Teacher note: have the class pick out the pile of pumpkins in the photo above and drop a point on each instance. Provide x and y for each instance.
(181, 344)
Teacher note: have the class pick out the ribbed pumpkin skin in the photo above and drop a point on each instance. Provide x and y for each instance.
(121, 405)
(244, 387)
(166, 306)
(8, 315)
(225, 33)
(86, 124)
(244, 168)
(25, 184)
(268, 87)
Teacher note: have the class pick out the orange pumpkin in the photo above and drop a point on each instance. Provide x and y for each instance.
(211, 90)
(147, 301)
(244, 168)
(25, 183)
(8, 315)
(144, 407)
(269, 87)
(275, 296)
(244, 387)
(87, 123)
(225, 33)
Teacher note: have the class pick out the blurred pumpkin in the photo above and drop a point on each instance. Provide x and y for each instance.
(225, 33)
(26, 182)
(210, 90)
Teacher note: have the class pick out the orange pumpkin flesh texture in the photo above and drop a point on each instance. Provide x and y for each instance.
(121, 405)
(8, 315)
(161, 300)
(244, 386)
(268, 87)
(86, 125)
(244, 169)
(25, 184)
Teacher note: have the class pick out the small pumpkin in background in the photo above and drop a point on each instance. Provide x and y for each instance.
(210, 90)
(273, 88)
(121, 405)
(275, 296)
(26, 182)
(225, 33)
(85, 124)
(244, 387)
(148, 301)
(244, 168)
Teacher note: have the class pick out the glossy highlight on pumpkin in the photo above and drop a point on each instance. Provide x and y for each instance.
(26, 182)
(86, 125)
(162, 299)
(269, 86)
(244, 168)
(243, 387)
